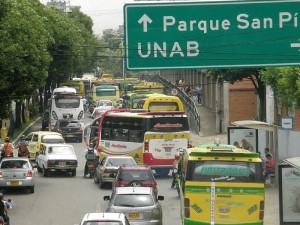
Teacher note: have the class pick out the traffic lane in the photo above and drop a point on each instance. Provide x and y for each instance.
(58, 199)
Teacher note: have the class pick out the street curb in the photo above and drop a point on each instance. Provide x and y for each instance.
(27, 128)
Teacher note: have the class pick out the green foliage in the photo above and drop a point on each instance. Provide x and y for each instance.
(33, 110)
(285, 82)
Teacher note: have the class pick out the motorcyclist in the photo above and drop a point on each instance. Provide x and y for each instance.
(91, 155)
(8, 148)
(23, 147)
(3, 209)
(175, 169)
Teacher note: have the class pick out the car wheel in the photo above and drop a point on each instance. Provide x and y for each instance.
(96, 180)
(100, 183)
(39, 169)
(74, 172)
(135, 183)
(31, 189)
(45, 172)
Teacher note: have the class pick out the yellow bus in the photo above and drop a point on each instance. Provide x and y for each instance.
(150, 86)
(156, 103)
(106, 92)
(220, 185)
(150, 138)
(77, 84)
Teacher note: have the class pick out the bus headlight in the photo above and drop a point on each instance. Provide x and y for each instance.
(80, 115)
(54, 115)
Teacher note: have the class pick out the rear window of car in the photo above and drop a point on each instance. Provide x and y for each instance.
(136, 200)
(52, 138)
(15, 164)
(135, 175)
(61, 150)
(120, 161)
(102, 223)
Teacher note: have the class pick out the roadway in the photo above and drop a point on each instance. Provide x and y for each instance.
(61, 199)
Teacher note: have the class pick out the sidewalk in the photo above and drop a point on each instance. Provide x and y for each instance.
(208, 135)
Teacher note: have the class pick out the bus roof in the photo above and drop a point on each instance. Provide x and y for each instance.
(148, 85)
(64, 90)
(140, 113)
(219, 150)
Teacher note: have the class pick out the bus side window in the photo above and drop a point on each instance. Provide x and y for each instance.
(135, 136)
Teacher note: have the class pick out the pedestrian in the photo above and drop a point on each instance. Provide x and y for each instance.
(246, 145)
(270, 166)
(188, 89)
(199, 94)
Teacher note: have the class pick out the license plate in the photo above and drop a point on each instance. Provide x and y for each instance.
(69, 135)
(14, 183)
(133, 215)
(90, 166)
(62, 163)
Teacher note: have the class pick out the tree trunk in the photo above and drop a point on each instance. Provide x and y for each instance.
(41, 100)
(18, 121)
(23, 112)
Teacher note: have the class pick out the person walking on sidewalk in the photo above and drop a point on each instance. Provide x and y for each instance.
(199, 94)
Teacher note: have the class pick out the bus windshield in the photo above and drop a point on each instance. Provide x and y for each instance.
(167, 124)
(105, 92)
(67, 101)
(225, 171)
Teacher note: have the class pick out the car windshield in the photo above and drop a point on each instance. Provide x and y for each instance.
(52, 138)
(120, 162)
(15, 164)
(61, 150)
(136, 200)
(102, 223)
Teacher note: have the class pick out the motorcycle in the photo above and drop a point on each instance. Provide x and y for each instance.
(176, 180)
(91, 165)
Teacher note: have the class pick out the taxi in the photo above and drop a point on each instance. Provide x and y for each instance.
(35, 141)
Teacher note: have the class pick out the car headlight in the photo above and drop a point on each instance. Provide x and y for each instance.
(156, 212)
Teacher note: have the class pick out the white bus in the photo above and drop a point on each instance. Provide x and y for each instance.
(65, 104)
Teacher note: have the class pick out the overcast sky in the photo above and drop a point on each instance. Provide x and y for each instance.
(104, 13)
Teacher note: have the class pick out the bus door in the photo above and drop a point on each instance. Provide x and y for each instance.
(223, 192)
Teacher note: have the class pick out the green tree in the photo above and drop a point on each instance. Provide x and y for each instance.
(253, 75)
(285, 83)
(24, 58)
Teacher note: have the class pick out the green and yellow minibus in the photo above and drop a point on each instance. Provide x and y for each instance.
(220, 185)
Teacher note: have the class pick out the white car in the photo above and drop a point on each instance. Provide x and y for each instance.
(57, 157)
(105, 104)
(104, 219)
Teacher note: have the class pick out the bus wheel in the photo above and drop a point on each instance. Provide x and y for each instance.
(163, 172)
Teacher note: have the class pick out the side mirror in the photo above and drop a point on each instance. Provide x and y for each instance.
(106, 198)
(160, 198)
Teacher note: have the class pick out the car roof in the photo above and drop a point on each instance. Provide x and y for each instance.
(56, 145)
(119, 156)
(104, 216)
(45, 132)
(133, 190)
(15, 159)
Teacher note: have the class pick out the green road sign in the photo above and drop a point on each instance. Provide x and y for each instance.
(227, 34)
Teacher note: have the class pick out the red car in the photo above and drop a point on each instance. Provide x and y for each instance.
(135, 176)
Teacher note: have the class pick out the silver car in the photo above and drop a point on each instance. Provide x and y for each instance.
(104, 219)
(17, 173)
(139, 204)
(108, 167)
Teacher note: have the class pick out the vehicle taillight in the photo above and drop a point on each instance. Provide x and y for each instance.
(54, 115)
(59, 130)
(187, 207)
(1, 174)
(29, 173)
(51, 162)
(146, 146)
(80, 115)
(79, 129)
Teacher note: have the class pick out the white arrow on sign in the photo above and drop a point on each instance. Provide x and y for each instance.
(145, 20)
